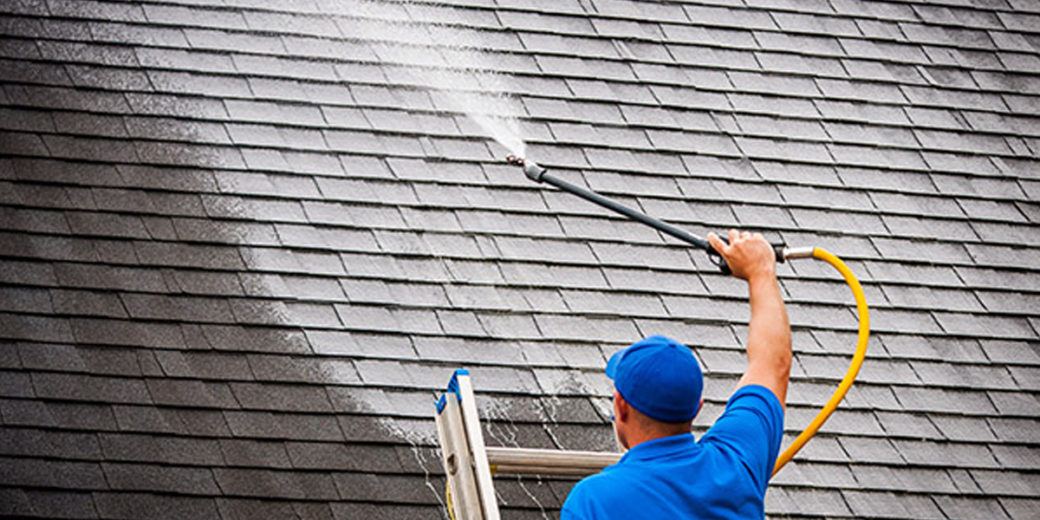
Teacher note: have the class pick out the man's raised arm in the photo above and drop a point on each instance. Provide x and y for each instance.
(751, 258)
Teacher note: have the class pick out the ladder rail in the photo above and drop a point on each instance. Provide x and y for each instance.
(482, 468)
(457, 462)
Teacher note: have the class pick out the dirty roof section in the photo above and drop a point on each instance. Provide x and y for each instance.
(239, 252)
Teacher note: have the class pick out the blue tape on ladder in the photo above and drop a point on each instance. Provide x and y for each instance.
(453, 388)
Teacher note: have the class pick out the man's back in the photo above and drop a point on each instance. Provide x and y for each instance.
(723, 476)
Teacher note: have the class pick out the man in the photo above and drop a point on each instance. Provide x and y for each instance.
(666, 473)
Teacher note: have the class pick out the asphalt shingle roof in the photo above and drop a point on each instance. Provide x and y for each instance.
(240, 249)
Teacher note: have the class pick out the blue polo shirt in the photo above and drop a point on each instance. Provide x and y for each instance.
(722, 476)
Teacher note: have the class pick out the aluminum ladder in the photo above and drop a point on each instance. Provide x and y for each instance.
(469, 464)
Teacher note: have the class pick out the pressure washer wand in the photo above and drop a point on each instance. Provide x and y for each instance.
(538, 174)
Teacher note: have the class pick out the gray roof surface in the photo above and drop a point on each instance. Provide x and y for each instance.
(239, 253)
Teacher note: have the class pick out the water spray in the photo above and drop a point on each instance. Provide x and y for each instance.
(540, 175)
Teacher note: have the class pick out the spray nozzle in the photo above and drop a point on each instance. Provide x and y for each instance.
(531, 169)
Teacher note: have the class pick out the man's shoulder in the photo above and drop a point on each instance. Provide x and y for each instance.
(604, 483)
(594, 492)
(605, 479)
(750, 429)
(758, 394)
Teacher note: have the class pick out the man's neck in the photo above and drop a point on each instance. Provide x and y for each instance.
(641, 437)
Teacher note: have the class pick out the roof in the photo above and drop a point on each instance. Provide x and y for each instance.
(241, 250)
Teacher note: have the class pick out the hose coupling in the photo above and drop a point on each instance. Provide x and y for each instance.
(795, 253)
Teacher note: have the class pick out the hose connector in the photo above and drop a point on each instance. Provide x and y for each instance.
(795, 253)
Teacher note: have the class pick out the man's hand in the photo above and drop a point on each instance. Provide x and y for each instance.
(748, 255)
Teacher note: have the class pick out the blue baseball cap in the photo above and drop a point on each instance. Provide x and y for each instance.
(659, 377)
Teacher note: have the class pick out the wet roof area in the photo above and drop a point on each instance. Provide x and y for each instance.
(241, 250)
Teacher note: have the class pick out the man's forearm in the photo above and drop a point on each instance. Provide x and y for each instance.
(769, 333)
(751, 258)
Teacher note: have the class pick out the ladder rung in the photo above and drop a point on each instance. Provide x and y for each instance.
(530, 461)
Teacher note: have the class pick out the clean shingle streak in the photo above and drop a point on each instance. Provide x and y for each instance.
(239, 253)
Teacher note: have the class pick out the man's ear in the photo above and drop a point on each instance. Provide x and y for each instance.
(699, 406)
(621, 407)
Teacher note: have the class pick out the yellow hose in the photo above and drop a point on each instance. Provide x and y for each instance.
(857, 358)
(447, 498)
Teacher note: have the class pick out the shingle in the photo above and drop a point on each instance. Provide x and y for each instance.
(1025, 376)
(192, 309)
(142, 477)
(203, 365)
(277, 484)
(618, 304)
(888, 504)
(925, 347)
(992, 326)
(1005, 483)
(970, 507)
(313, 47)
(177, 15)
(1013, 352)
(239, 508)
(256, 339)
(90, 388)
(563, 327)
(345, 510)
(928, 252)
(149, 419)
(179, 392)
(905, 479)
(70, 358)
(284, 398)
(255, 453)
(940, 400)
(1009, 403)
(282, 426)
(30, 443)
(955, 454)
(967, 429)
(697, 55)
(27, 7)
(51, 473)
(368, 400)
(270, 259)
(1015, 429)
(820, 502)
(761, 148)
(25, 300)
(124, 505)
(47, 503)
(82, 415)
(9, 358)
(353, 486)
(995, 255)
(339, 457)
(16, 385)
(755, 216)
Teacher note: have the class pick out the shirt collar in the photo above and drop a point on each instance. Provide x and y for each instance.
(660, 447)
